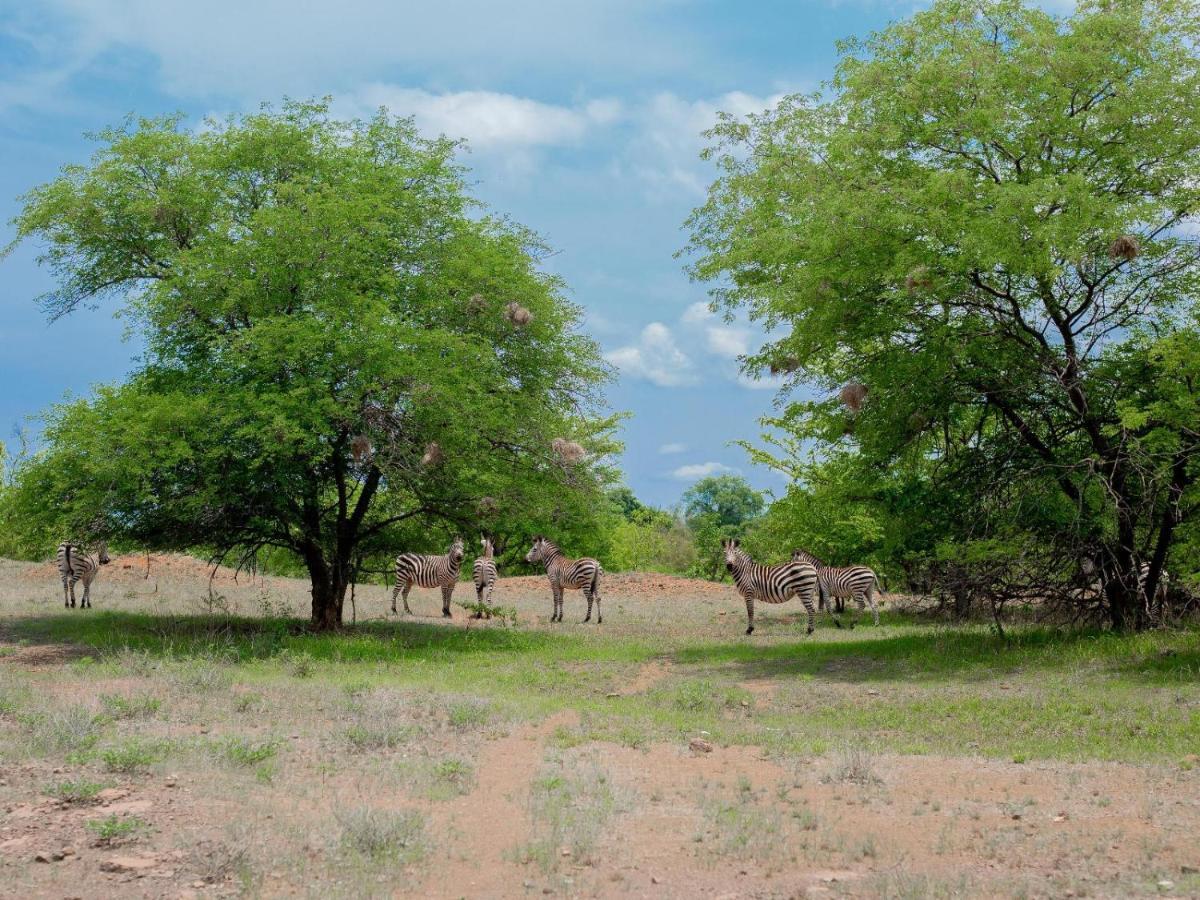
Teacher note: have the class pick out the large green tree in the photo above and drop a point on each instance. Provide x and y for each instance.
(982, 239)
(718, 507)
(342, 349)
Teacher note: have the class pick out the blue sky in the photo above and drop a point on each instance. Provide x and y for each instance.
(583, 119)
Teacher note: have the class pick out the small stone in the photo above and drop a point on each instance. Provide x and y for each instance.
(654, 879)
(295, 737)
(41, 857)
(197, 884)
(1061, 817)
(565, 851)
(872, 693)
(1016, 816)
(612, 695)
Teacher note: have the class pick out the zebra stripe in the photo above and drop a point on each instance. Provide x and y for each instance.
(770, 584)
(429, 571)
(485, 573)
(565, 572)
(854, 582)
(75, 565)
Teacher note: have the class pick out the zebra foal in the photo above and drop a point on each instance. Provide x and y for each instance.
(75, 565)
(429, 571)
(565, 572)
(853, 582)
(770, 584)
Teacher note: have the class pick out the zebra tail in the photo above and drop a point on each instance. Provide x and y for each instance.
(596, 578)
(67, 557)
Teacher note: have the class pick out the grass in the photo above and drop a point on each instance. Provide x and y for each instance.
(569, 805)
(76, 792)
(118, 707)
(116, 829)
(380, 836)
(134, 755)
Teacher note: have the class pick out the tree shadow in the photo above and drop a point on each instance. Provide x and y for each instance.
(239, 638)
(940, 654)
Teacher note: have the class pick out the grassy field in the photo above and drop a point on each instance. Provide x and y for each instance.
(177, 739)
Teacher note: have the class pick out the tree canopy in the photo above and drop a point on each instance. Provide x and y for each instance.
(345, 354)
(981, 241)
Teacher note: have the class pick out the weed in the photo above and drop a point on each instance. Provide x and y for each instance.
(380, 835)
(249, 702)
(446, 779)
(119, 707)
(469, 714)
(238, 751)
(214, 861)
(368, 738)
(298, 663)
(856, 765)
(115, 829)
(71, 729)
(134, 755)
(568, 807)
(76, 791)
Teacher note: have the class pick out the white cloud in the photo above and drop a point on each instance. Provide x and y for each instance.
(488, 119)
(666, 154)
(667, 449)
(727, 341)
(656, 358)
(700, 470)
(272, 47)
(697, 313)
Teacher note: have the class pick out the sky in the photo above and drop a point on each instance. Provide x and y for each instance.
(583, 121)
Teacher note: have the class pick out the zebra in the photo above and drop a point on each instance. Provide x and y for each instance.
(427, 572)
(565, 572)
(1160, 592)
(770, 584)
(855, 582)
(485, 574)
(74, 565)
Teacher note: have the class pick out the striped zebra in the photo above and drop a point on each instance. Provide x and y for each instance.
(75, 565)
(485, 573)
(427, 572)
(565, 572)
(770, 584)
(1159, 599)
(854, 582)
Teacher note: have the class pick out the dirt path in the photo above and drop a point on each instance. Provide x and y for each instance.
(492, 821)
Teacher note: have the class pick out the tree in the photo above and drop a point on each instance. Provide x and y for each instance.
(978, 238)
(718, 507)
(344, 355)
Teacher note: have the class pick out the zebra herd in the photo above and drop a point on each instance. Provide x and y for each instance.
(442, 572)
(804, 577)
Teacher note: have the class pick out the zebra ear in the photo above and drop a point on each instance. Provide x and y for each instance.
(735, 543)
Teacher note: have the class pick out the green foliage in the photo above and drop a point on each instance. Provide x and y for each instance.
(115, 829)
(715, 508)
(977, 243)
(330, 369)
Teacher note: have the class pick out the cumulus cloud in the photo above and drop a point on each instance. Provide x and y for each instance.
(696, 471)
(655, 358)
(488, 119)
(668, 449)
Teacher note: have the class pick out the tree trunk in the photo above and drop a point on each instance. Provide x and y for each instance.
(329, 584)
(1121, 584)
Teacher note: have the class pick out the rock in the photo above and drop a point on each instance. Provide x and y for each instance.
(41, 857)
(565, 851)
(699, 745)
(654, 879)
(612, 695)
(872, 693)
(1016, 816)
(1061, 817)
(128, 864)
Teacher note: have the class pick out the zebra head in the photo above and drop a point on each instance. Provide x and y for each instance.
(804, 556)
(102, 554)
(733, 552)
(536, 551)
(486, 543)
(457, 549)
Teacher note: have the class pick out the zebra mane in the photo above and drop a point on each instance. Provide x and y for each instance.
(799, 555)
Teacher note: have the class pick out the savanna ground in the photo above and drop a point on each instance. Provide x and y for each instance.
(175, 742)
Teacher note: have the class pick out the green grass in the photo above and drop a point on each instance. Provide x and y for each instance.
(79, 791)
(134, 755)
(114, 829)
(1039, 693)
(382, 836)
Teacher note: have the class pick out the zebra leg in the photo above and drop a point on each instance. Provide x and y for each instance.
(558, 605)
(749, 615)
(404, 596)
(447, 593)
(806, 599)
(86, 602)
(73, 581)
(66, 596)
(395, 591)
(870, 595)
(587, 594)
(599, 618)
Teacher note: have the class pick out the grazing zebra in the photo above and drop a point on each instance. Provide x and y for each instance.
(564, 572)
(770, 584)
(427, 572)
(855, 582)
(485, 574)
(74, 565)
